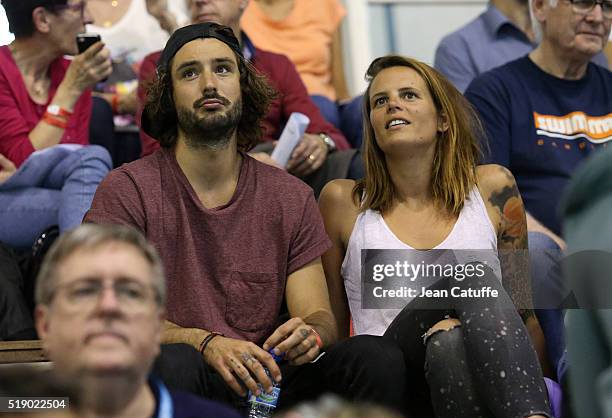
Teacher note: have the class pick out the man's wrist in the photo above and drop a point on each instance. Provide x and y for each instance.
(206, 341)
(320, 343)
(328, 141)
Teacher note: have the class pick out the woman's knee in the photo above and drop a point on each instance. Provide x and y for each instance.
(97, 153)
(444, 344)
(446, 324)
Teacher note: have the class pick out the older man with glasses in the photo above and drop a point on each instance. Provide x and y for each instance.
(100, 308)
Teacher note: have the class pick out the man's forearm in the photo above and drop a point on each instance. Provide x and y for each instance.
(176, 334)
(323, 322)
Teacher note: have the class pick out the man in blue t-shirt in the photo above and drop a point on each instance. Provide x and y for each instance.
(544, 114)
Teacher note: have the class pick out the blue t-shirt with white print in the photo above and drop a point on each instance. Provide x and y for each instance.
(542, 127)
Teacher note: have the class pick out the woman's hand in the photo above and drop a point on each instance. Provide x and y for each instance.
(88, 68)
(7, 168)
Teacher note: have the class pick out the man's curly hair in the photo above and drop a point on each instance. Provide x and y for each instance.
(257, 95)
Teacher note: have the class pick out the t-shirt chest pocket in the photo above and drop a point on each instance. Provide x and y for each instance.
(253, 300)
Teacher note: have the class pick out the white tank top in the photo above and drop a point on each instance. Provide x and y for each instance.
(473, 230)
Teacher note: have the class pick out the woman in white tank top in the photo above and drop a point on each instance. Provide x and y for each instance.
(421, 191)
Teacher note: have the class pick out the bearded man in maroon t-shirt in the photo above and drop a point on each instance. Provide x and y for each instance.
(237, 237)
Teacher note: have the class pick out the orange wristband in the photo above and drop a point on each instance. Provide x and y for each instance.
(319, 340)
(58, 123)
(115, 104)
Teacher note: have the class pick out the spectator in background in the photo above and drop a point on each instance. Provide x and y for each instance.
(100, 306)
(543, 115)
(45, 100)
(16, 321)
(308, 32)
(329, 406)
(131, 29)
(587, 226)
(323, 152)
(546, 112)
(501, 34)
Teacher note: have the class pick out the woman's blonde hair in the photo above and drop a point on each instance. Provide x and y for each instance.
(453, 173)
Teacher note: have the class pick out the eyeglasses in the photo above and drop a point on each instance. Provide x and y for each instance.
(585, 6)
(85, 294)
(77, 7)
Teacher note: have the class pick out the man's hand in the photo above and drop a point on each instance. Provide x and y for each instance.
(241, 363)
(7, 168)
(296, 340)
(308, 156)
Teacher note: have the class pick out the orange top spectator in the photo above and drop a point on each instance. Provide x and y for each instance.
(307, 31)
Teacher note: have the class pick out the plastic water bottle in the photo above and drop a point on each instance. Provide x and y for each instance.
(263, 406)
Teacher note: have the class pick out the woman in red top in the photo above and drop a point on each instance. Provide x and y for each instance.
(45, 101)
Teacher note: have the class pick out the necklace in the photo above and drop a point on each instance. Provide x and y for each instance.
(39, 88)
(114, 3)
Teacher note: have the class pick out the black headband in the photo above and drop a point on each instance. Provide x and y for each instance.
(200, 30)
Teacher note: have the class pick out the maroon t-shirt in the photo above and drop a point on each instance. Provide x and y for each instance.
(226, 267)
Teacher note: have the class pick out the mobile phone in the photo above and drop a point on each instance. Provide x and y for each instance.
(85, 40)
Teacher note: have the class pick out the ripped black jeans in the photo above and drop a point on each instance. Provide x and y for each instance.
(486, 367)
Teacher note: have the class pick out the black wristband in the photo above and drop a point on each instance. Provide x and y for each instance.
(207, 341)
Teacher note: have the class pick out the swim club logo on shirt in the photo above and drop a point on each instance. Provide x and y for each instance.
(573, 126)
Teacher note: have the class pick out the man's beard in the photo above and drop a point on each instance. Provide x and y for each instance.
(212, 130)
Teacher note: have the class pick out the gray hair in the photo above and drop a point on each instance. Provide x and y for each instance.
(537, 27)
(90, 236)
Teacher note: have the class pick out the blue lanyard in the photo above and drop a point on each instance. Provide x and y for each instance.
(165, 402)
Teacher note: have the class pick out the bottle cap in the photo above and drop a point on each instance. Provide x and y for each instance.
(277, 358)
